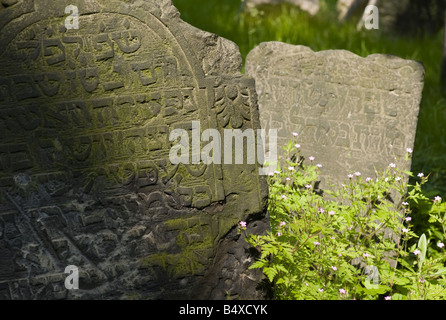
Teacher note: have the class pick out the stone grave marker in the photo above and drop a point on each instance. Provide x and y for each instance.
(352, 114)
(89, 95)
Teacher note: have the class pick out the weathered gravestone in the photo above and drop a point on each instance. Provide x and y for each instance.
(88, 98)
(310, 6)
(347, 8)
(352, 114)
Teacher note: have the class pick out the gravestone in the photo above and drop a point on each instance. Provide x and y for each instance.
(310, 6)
(347, 8)
(89, 95)
(352, 114)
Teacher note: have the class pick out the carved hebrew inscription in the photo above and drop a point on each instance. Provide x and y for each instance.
(102, 102)
(351, 113)
(85, 176)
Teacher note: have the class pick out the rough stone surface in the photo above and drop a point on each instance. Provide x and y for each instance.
(310, 6)
(352, 113)
(85, 177)
(346, 8)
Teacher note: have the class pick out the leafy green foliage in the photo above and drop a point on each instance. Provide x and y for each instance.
(351, 243)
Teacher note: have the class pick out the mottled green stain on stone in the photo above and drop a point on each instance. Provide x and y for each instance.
(98, 159)
(197, 239)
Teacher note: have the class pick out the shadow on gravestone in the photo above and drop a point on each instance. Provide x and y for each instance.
(88, 98)
(352, 114)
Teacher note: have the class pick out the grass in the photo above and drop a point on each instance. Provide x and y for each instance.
(321, 32)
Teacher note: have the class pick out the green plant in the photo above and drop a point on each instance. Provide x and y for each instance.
(352, 242)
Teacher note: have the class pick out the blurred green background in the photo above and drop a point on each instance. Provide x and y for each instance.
(288, 24)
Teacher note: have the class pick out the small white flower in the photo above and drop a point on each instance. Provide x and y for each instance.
(291, 168)
(357, 173)
(404, 203)
(405, 230)
(368, 179)
(295, 134)
(421, 175)
(311, 158)
(350, 176)
(409, 150)
(408, 219)
(397, 179)
(319, 165)
(392, 165)
(440, 245)
(297, 145)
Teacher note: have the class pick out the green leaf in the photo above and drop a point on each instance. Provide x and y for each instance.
(439, 272)
(422, 245)
(374, 289)
(280, 267)
(398, 296)
(258, 264)
(438, 234)
(270, 273)
(402, 281)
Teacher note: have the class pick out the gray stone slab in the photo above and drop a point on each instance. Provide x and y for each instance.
(85, 173)
(353, 114)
